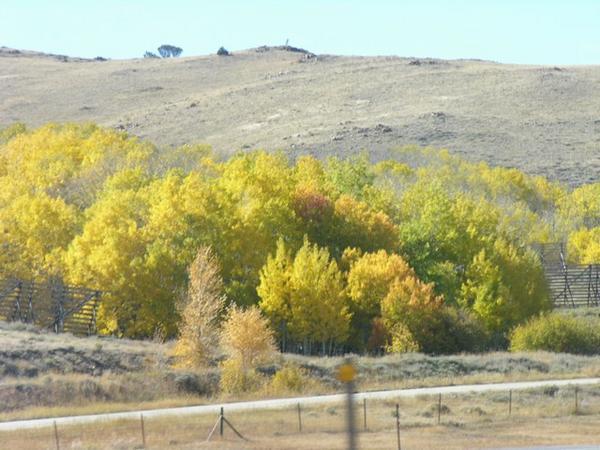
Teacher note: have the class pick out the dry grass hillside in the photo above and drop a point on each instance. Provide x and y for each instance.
(544, 120)
(43, 374)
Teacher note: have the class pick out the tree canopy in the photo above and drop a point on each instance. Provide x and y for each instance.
(337, 253)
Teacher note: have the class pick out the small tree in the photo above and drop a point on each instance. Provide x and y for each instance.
(247, 338)
(248, 342)
(150, 55)
(200, 311)
(169, 51)
(223, 52)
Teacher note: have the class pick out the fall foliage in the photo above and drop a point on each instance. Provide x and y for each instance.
(200, 311)
(339, 254)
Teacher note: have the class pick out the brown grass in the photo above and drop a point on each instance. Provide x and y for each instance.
(137, 375)
(467, 421)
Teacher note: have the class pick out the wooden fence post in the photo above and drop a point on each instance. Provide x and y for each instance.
(439, 409)
(398, 426)
(56, 436)
(509, 403)
(221, 422)
(365, 414)
(143, 431)
(299, 419)
(576, 399)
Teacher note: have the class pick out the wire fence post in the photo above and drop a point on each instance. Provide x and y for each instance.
(439, 409)
(365, 414)
(398, 425)
(56, 436)
(221, 422)
(143, 431)
(299, 419)
(576, 400)
(509, 403)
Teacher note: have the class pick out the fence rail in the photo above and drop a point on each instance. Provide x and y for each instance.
(53, 305)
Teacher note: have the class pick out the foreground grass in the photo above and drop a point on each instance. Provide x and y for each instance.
(77, 404)
(48, 375)
(537, 417)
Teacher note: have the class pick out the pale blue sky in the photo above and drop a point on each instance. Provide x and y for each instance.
(512, 31)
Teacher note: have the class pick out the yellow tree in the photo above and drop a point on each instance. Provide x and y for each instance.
(584, 246)
(254, 194)
(410, 311)
(369, 280)
(308, 294)
(136, 244)
(275, 291)
(37, 230)
(248, 342)
(355, 224)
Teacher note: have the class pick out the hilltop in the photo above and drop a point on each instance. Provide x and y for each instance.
(543, 120)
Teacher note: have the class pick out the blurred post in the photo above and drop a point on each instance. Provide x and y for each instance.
(576, 399)
(439, 408)
(509, 403)
(346, 374)
(299, 419)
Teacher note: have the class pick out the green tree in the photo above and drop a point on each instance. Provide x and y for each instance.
(505, 287)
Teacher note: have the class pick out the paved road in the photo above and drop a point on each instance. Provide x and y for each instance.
(290, 402)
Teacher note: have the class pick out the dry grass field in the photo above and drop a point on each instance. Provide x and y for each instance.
(48, 375)
(543, 120)
(538, 417)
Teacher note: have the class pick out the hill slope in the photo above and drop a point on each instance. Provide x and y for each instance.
(544, 120)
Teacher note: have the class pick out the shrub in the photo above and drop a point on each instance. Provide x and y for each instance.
(458, 330)
(445, 331)
(235, 379)
(223, 52)
(247, 338)
(289, 379)
(558, 333)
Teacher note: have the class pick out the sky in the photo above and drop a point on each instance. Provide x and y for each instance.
(510, 31)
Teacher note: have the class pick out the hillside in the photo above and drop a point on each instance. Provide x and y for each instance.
(543, 120)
